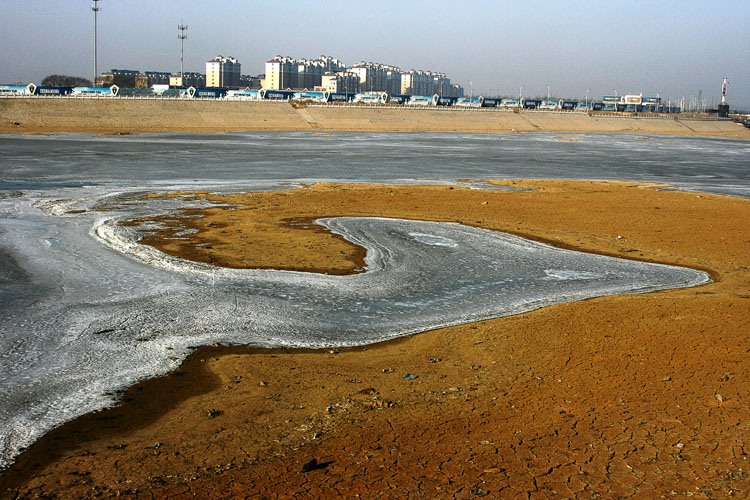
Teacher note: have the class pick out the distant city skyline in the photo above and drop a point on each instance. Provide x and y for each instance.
(671, 48)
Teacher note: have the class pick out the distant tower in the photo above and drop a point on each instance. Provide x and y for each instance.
(182, 28)
(723, 108)
(96, 9)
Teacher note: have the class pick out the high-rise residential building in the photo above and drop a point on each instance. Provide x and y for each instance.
(284, 72)
(419, 82)
(309, 73)
(331, 64)
(222, 72)
(342, 81)
(377, 77)
(281, 73)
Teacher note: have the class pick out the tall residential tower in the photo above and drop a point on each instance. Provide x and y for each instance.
(223, 72)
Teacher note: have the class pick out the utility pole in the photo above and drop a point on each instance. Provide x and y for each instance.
(96, 9)
(182, 28)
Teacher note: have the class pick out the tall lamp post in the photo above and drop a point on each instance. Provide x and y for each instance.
(95, 7)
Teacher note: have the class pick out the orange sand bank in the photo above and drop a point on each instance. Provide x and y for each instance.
(633, 396)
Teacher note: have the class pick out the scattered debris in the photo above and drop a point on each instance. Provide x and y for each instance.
(409, 376)
(213, 413)
(480, 492)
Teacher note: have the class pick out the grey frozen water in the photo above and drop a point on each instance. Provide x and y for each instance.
(86, 310)
(705, 164)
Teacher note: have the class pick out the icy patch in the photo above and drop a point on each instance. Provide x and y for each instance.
(567, 274)
(434, 240)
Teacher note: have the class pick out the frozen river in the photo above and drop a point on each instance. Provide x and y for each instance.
(85, 310)
(706, 164)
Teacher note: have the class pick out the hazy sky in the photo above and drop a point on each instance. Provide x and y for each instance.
(673, 48)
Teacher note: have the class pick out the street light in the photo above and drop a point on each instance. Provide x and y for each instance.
(95, 7)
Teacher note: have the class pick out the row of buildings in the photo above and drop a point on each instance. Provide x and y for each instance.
(281, 73)
(328, 73)
(223, 72)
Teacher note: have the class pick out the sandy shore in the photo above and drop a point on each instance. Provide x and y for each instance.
(126, 116)
(642, 396)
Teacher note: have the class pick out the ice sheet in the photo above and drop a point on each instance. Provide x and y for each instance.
(87, 310)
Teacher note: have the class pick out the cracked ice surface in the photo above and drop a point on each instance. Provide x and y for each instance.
(87, 310)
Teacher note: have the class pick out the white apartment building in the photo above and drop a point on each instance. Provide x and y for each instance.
(331, 64)
(309, 73)
(418, 82)
(222, 72)
(281, 73)
(377, 77)
(343, 81)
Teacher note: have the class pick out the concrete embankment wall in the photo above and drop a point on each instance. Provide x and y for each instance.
(113, 116)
